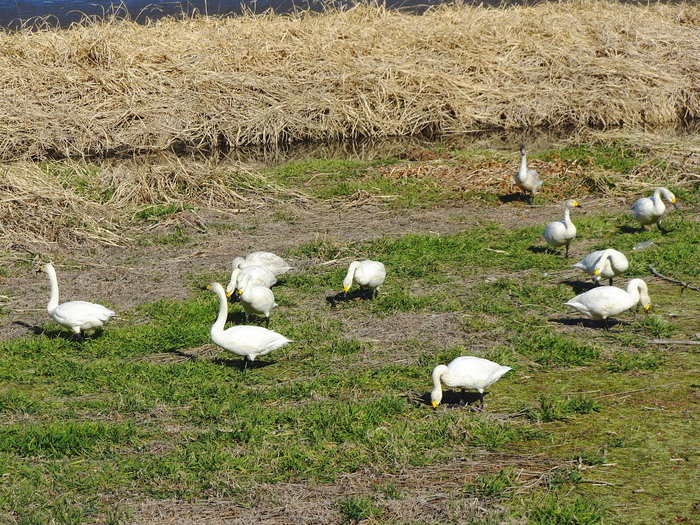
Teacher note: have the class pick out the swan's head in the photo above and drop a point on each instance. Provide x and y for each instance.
(435, 398)
(571, 203)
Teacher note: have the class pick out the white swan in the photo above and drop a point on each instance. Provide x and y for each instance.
(368, 274)
(650, 210)
(256, 299)
(604, 264)
(561, 233)
(606, 301)
(261, 276)
(76, 315)
(244, 340)
(466, 372)
(526, 179)
(268, 260)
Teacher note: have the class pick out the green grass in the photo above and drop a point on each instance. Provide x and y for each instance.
(142, 411)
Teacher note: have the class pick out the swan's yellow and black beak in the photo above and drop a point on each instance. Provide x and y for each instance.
(229, 294)
(647, 308)
(239, 292)
(207, 287)
(596, 272)
(435, 404)
(346, 289)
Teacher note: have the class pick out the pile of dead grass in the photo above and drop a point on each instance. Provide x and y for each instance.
(202, 83)
(55, 206)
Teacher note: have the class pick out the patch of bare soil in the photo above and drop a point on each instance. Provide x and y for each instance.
(124, 277)
(424, 495)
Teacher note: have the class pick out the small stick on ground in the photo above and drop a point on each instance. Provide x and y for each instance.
(675, 281)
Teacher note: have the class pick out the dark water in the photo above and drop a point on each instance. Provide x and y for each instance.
(16, 13)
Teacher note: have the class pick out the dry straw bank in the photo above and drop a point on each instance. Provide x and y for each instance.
(204, 83)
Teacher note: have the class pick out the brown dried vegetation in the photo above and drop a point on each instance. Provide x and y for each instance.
(202, 83)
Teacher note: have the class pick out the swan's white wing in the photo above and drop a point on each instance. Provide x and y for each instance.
(81, 313)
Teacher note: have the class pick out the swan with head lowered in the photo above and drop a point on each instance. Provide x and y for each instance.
(268, 260)
(650, 210)
(260, 275)
(603, 264)
(606, 301)
(256, 299)
(76, 315)
(526, 179)
(466, 373)
(247, 341)
(561, 233)
(369, 275)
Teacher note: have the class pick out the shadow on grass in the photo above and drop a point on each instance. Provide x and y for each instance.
(579, 287)
(60, 333)
(509, 198)
(544, 249)
(452, 399)
(241, 364)
(588, 323)
(354, 295)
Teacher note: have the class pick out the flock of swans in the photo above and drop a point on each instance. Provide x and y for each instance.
(253, 276)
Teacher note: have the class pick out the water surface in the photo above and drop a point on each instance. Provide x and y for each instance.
(15, 13)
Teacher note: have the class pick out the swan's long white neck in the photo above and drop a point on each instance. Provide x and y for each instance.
(523, 162)
(637, 289)
(438, 372)
(347, 282)
(218, 325)
(53, 298)
(567, 218)
(659, 206)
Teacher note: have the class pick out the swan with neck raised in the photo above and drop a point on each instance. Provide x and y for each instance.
(268, 260)
(247, 341)
(260, 275)
(650, 210)
(607, 301)
(466, 373)
(526, 179)
(256, 299)
(561, 233)
(603, 264)
(76, 315)
(369, 275)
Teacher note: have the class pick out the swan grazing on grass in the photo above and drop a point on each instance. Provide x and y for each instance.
(606, 301)
(268, 260)
(256, 299)
(650, 210)
(466, 372)
(603, 264)
(526, 179)
(561, 233)
(261, 276)
(76, 315)
(244, 340)
(368, 274)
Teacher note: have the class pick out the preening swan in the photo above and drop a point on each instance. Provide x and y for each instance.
(526, 179)
(606, 301)
(261, 276)
(76, 315)
(603, 264)
(650, 210)
(466, 372)
(368, 274)
(256, 299)
(268, 260)
(244, 340)
(561, 233)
